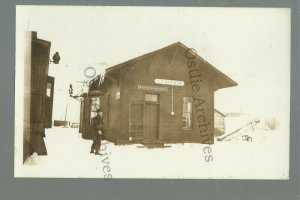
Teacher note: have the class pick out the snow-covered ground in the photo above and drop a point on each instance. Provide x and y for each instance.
(68, 156)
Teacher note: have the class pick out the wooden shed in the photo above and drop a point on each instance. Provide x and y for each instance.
(38, 96)
(219, 123)
(165, 96)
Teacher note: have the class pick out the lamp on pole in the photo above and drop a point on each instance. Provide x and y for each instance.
(66, 114)
(55, 58)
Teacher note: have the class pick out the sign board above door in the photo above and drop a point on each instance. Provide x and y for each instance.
(152, 88)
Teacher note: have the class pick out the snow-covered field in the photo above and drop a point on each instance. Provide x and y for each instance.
(266, 157)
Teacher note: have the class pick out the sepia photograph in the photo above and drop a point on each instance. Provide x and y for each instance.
(152, 92)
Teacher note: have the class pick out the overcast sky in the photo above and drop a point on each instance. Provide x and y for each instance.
(250, 45)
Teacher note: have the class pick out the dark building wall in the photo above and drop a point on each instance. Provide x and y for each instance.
(40, 51)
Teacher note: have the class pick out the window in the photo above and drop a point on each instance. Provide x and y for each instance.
(187, 112)
(49, 88)
(95, 105)
(136, 120)
(151, 97)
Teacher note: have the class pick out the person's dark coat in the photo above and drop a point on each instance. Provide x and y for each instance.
(98, 123)
(97, 126)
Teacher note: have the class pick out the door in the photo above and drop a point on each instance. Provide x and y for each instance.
(151, 119)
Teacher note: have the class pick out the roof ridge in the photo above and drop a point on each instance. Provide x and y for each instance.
(143, 55)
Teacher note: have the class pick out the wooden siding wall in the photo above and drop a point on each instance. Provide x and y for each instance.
(85, 128)
(112, 120)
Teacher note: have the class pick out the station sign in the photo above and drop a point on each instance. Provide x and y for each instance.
(169, 82)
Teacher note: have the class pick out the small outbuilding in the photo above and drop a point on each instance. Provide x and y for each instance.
(219, 123)
(165, 96)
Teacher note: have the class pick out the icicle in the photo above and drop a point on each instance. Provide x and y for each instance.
(101, 78)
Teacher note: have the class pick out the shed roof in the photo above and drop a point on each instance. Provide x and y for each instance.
(217, 111)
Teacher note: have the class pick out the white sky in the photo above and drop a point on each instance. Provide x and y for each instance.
(250, 45)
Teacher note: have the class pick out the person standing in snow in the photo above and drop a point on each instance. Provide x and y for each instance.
(97, 126)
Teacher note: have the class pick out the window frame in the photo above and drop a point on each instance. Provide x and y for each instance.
(151, 95)
(91, 104)
(187, 120)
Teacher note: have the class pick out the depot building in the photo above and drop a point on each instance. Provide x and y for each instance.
(165, 96)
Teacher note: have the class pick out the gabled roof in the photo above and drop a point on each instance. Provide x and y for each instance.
(38, 40)
(222, 80)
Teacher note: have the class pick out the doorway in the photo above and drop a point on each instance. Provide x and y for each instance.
(151, 116)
